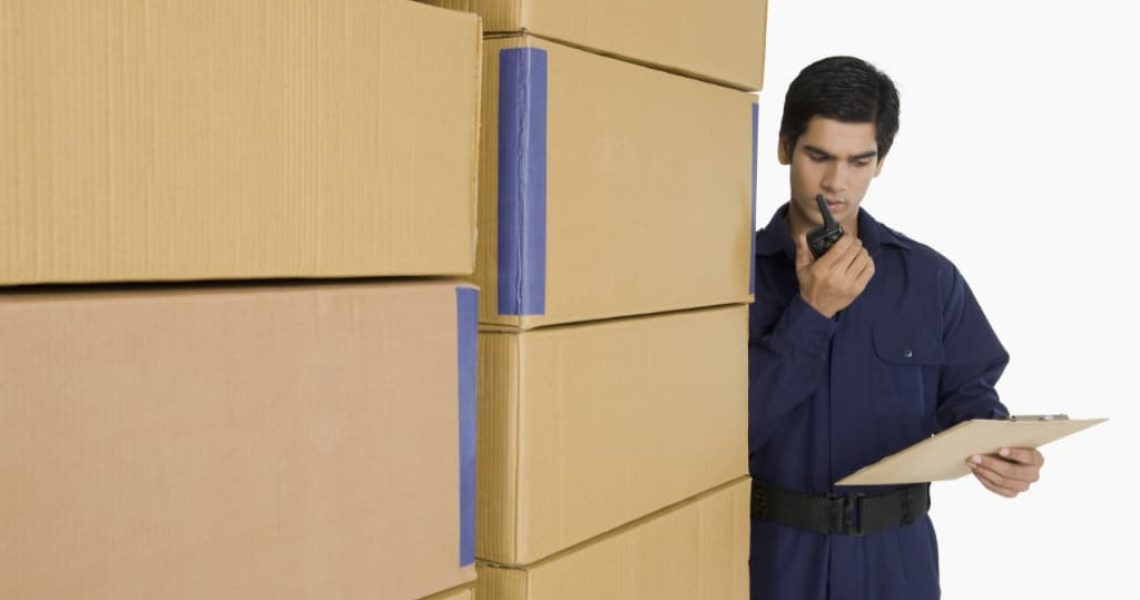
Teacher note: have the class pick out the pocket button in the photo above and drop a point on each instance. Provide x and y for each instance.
(908, 353)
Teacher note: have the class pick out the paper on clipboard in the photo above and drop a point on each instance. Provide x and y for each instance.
(943, 456)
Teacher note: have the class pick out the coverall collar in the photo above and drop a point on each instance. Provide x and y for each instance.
(775, 237)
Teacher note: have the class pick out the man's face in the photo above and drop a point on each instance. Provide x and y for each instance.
(835, 159)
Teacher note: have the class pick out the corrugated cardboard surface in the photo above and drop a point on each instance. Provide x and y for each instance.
(182, 140)
(720, 41)
(645, 180)
(695, 551)
(280, 442)
(466, 593)
(584, 428)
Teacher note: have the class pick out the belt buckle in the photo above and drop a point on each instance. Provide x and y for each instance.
(853, 515)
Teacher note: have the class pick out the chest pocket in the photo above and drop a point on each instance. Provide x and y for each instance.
(908, 345)
(907, 356)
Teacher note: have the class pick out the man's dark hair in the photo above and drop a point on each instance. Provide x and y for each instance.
(846, 89)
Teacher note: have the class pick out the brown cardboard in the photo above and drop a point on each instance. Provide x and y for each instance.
(177, 140)
(584, 428)
(722, 41)
(253, 443)
(943, 456)
(694, 551)
(647, 197)
(465, 593)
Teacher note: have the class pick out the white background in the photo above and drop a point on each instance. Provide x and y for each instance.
(1018, 157)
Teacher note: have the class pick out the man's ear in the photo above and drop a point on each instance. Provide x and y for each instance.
(784, 150)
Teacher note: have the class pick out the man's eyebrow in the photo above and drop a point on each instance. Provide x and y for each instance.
(818, 151)
(825, 154)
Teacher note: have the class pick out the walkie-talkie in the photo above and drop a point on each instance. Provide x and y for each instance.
(823, 237)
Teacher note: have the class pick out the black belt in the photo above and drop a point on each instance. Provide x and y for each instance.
(846, 514)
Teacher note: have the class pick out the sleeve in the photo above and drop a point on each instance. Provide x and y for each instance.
(975, 358)
(787, 361)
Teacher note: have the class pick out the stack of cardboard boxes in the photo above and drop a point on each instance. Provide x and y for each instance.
(310, 437)
(615, 251)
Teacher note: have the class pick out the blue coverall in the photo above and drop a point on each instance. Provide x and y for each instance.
(912, 355)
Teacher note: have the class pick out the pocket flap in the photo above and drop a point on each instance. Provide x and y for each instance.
(908, 345)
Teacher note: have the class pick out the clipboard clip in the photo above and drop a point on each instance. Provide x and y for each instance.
(1058, 417)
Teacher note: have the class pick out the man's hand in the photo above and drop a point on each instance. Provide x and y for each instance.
(833, 281)
(1009, 473)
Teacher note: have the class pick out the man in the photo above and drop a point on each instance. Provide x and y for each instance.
(873, 346)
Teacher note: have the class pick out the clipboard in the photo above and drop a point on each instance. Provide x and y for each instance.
(943, 457)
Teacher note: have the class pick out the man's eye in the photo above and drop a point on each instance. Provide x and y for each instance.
(817, 157)
(862, 163)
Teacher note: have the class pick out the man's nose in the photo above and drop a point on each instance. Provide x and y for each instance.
(835, 176)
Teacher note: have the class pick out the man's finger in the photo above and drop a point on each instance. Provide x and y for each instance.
(1009, 470)
(859, 261)
(803, 254)
(990, 475)
(865, 273)
(853, 265)
(993, 488)
(1025, 456)
(835, 254)
(842, 256)
(1001, 481)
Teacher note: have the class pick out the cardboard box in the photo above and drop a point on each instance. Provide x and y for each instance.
(608, 189)
(465, 593)
(695, 551)
(721, 41)
(584, 428)
(176, 140)
(275, 442)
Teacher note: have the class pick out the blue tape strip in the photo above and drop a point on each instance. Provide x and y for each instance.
(522, 181)
(752, 264)
(467, 317)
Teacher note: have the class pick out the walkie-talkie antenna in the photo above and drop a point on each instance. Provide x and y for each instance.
(828, 220)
